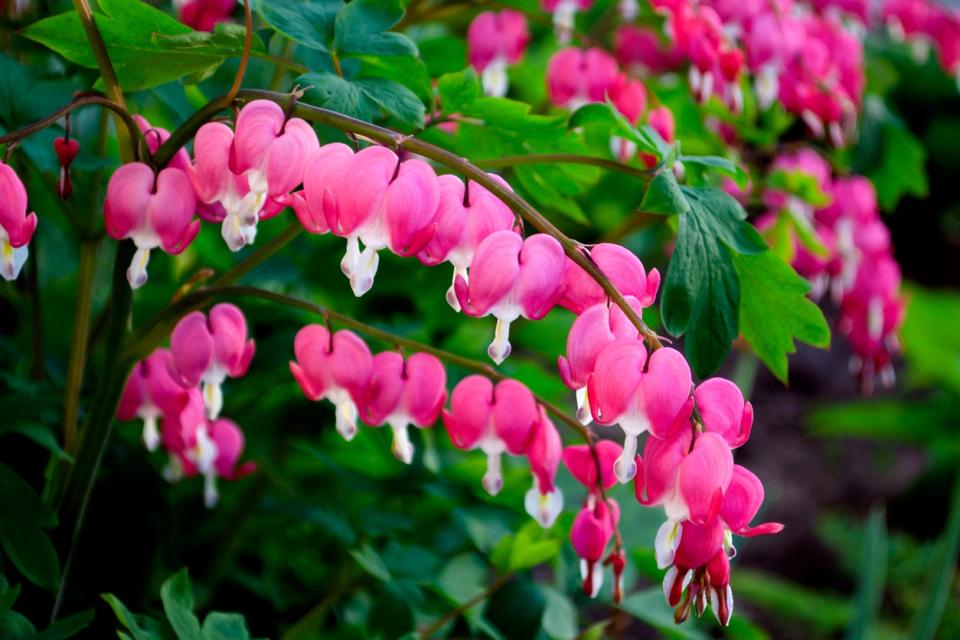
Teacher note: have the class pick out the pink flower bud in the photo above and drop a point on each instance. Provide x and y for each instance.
(336, 369)
(544, 501)
(401, 393)
(153, 210)
(511, 277)
(16, 225)
(591, 533)
(150, 393)
(208, 349)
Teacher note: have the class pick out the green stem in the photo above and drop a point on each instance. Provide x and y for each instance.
(78, 346)
(566, 158)
(574, 250)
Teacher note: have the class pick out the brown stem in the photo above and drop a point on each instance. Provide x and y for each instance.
(566, 158)
(427, 632)
(245, 58)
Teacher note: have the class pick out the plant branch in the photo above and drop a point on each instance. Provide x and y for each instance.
(78, 343)
(427, 632)
(245, 58)
(566, 158)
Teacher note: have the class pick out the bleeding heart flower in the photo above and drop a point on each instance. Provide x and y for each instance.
(336, 368)
(494, 419)
(152, 209)
(16, 225)
(638, 393)
(66, 151)
(564, 12)
(511, 277)
(404, 392)
(544, 501)
(494, 40)
(204, 15)
(207, 349)
(576, 77)
(579, 461)
(622, 268)
(466, 215)
(150, 393)
(590, 534)
(723, 410)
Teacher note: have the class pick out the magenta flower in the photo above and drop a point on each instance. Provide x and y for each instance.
(204, 15)
(377, 200)
(594, 328)
(156, 136)
(466, 215)
(150, 393)
(544, 501)
(323, 176)
(511, 277)
(271, 151)
(16, 225)
(576, 77)
(638, 393)
(580, 463)
(155, 210)
(494, 419)
(590, 534)
(208, 349)
(621, 267)
(178, 434)
(495, 40)
(404, 392)
(336, 368)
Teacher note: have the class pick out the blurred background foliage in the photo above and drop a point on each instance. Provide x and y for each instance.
(330, 540)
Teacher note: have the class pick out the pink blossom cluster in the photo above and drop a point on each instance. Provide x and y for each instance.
(811, 62)
(855, 259)
(925, 24)
(576, 77)
(176, 393)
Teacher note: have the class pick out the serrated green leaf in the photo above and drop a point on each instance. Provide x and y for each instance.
(701, 297)
(663, 195)
(310, 22)
(177, 601)
(224, 626)
(362, 28)
(775, 310)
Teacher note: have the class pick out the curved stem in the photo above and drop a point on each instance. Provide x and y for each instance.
(78, 344)
(565, 158)
(129, 123)
(427, 632)
(245, 58)
(574, 250)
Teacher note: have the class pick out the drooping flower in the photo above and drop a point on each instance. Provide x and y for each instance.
(576, 77)
(384, 203)
(155, 210)
(16, 225)
(467, 213)
(150, 393)
(495, 40)
(494, 419)
(511, 277)
(271, 150)
(544, 501)
(66, 150)
(204, 15)
(590, 534)
(638, 393)
(333, 367)
(620, 266)
(579, 461)
(208, 349)
(404, 392)
(594, 328)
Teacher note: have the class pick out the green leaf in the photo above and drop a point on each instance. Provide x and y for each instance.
(528, 547)
(937, 596)
(124, 617)
(224, 626)
(607, 114)
(310, 22)
(775, 310)
(648, 605)
(559, 615)
(799, 184)
(719, 164)
(931, 342)
(822, 611)
(40, 434)
(663, 195)
(178, 605)
(362, 27)
(128, 27)
(902, 166)
(363, 98)
(457, 91)
(31, 551)
(873, 574)
(67, 627)
(701, 297)
(20, 503)
(395, 99)
(226, 40)
(371, 562)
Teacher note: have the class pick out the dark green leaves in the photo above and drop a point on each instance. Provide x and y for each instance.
(663, 195)
(364, 97)
(309, 23)
(362, 27)
(723, 281)
(178, 605)
(775, 310)
(23, 516)
(701, 295)
(128, 28)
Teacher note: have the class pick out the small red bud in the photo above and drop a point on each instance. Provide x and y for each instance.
(66, 152)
